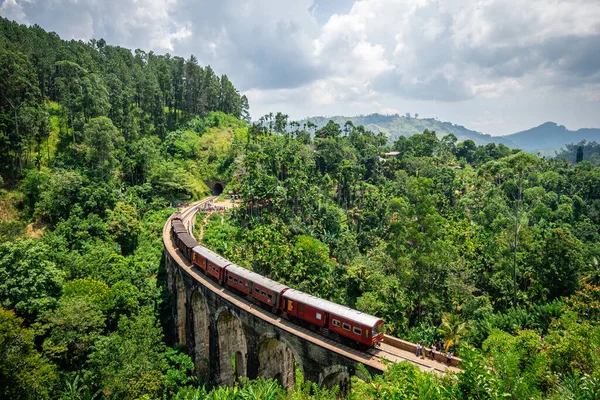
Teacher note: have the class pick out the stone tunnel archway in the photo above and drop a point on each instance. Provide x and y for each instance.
(336, 375)
(276, 361)
(233, 348)
(201, 326)
(180, 319)
(217, 189)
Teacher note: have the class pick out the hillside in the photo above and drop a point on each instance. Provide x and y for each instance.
(546, 139)
(551, 136)
(396, 125)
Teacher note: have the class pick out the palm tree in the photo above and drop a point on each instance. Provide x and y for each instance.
(453, 329)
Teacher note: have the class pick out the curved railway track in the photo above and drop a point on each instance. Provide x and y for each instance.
(377, 358)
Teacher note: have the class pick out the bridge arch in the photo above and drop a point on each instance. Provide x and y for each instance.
(201, 333)
(335, 375)
(180, 319)
(233, 347)
(276, 360)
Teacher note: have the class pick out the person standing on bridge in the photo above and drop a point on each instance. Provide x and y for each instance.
(433, 349)
(418, 352)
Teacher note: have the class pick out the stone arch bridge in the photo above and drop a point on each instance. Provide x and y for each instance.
(229, 337)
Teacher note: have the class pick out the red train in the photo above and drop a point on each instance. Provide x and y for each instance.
(338, 320)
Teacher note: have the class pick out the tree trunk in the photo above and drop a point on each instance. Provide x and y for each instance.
(516, 243)
(18, 138)
(72, 127)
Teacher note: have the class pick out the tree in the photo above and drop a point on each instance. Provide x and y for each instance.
(18, 89)
(245, 106)
(466, 150)
(453, 330)
(561, 264)
(24, 374)
(58, 194)
(579, 157)
(70, 87)
(331, 130)
(30, 281)
(520, 164)
(100, 141)
(133, 361)
(124, 225)
(72, 330)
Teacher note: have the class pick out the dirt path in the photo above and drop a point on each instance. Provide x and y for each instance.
(212, 208)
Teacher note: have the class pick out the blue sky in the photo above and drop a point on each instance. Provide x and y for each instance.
(497, 66)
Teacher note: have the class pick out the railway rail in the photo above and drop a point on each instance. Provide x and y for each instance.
(378, 358)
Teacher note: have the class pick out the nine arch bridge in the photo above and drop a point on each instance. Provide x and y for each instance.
(229, 337)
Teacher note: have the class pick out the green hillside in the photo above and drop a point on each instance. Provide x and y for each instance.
(395, 125)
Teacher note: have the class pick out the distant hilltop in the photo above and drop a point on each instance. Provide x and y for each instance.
(546, 138)
(551, 136)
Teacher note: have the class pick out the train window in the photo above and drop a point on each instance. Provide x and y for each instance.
(241, 282)
(367, 333)
(346, 326)
(234, 280)
(269, 296)
(263, 293)
(335, 322)
(357, 331)
(230, 277)
(246, 284)
(319, 316)
(256, 290)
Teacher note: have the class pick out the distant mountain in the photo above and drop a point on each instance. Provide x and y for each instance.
(395, 125)
(550, 136)
(546, 139)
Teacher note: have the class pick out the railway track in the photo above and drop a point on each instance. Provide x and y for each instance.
(378, 358)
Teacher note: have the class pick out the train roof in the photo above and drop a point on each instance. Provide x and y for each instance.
(256, 278)
(179, 227)
(211, 256)
(187, 240)
(333, 308)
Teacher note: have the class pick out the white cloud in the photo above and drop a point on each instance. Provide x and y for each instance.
(12, 9)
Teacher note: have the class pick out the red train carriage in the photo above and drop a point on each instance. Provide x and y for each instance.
(352, 324)
(303, 306)
(199, 256)
(355, 325)
(265, 290)
(209, 262)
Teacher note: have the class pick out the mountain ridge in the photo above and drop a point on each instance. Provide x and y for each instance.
(546, 138)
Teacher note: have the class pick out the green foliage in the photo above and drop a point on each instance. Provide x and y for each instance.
(133, 361)
(74, 326)
(30, 281)
(123, 224)
(100, 140)
(24, 373)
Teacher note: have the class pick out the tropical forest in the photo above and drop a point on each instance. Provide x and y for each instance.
(493, 250)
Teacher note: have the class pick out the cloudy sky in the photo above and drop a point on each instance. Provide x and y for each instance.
(497, 66)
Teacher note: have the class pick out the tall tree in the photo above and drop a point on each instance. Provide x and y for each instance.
(69, 79)
(18, 88)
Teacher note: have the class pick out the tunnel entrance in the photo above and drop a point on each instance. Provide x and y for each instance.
(217, 189)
